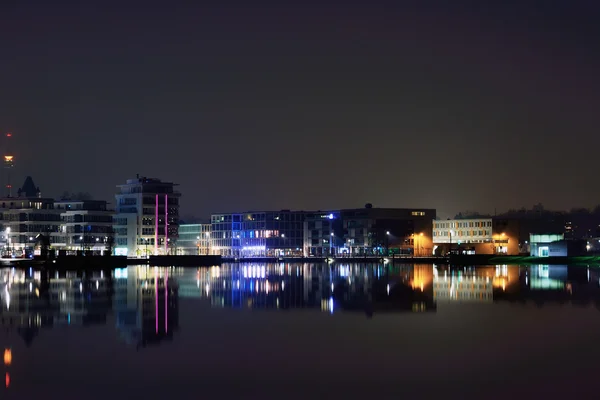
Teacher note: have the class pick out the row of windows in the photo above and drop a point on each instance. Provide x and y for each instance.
(282, 216)
(319, 224)
(31, 217)
(462, 233)
(297, 242)
(87, 218)
(171, 201)
(92, 228)
(462, 224)
(161, 211)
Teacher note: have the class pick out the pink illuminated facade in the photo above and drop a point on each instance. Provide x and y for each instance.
(147, 218)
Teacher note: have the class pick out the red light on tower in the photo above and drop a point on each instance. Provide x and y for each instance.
(9, 134)
(7, 380)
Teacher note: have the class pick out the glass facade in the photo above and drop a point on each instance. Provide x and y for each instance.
(194, 239)
(258, 234)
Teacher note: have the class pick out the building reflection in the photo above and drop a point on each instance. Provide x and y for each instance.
(146, 305)
(554, 284)
(32, 301)
(472, 284)
(539, 284)
(343, 287)
(145, 302)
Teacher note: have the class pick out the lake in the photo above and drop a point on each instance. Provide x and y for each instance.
(285, 330)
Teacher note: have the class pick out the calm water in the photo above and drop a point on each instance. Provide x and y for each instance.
(302, 331)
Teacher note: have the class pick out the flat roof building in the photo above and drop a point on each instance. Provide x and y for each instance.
(147, 217)
(258, 233)
(369, 231)
(85, 225)
(476, 236)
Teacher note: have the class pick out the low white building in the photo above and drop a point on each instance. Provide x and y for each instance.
(85, 225)
(462, 231)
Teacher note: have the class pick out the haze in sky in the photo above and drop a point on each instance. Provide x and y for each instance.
(477, 105)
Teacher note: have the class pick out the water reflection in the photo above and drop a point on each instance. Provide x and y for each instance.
(146, 305)
(540, 284)
(100, 318)
(143, 302)
(352, 287)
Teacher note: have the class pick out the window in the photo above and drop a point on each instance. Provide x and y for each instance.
(418, 213)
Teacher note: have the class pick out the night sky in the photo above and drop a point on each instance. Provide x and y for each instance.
(453, 105)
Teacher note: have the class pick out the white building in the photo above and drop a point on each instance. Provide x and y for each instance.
(463, 231)
(147, 217)
(25, 216)
(86, 225)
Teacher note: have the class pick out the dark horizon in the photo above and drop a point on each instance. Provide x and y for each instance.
(464, 106)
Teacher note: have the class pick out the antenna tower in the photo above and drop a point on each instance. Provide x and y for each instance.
(8, 163)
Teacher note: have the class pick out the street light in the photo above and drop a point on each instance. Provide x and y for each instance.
(387, 243)
(416, 243)
(331, 244)
(8, 239)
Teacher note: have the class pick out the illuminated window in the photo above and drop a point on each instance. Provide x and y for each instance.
(418, 213)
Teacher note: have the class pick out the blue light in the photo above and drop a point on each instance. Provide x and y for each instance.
(69, 318)
(330, 216)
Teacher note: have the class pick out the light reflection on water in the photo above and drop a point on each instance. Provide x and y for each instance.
(144, 300)
(140, 305)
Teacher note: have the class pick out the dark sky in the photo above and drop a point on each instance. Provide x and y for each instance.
(447, 104)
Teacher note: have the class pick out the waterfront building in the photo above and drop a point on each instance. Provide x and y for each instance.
(146, 221)
(25, 216)
(258, 234)
(86, 225)
(323, 234)
(476, 236)
(556, 245)
(369, 231)
(194, 239)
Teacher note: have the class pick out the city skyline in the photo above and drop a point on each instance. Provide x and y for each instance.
(302, 106)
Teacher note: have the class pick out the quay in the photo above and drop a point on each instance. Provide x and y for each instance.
(89, 262)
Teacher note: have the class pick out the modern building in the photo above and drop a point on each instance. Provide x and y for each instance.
(323, 234)
(476, 236)
(194, 239)
(258, 234)
(369, 231)
(146, 221)
(86, 225)
(26, 216)
(555, 245)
